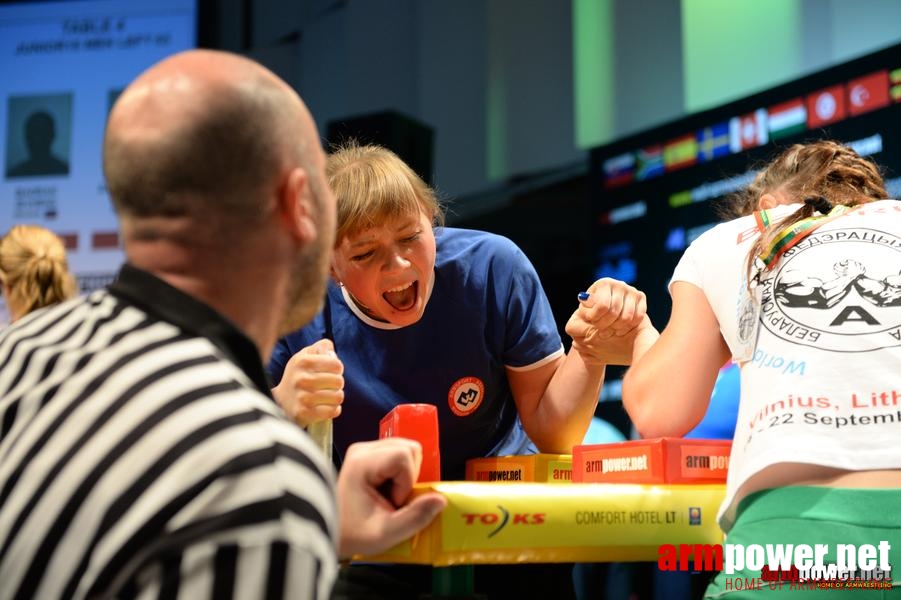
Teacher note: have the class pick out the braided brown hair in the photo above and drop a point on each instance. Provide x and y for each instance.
(820, 174)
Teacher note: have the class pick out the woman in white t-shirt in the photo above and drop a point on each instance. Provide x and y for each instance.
(802, 289)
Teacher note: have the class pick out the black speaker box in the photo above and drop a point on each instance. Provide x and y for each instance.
(410, 139)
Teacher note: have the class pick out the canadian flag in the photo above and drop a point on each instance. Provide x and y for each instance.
(748, 131)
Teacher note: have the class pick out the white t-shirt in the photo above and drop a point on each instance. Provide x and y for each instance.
(824, 384)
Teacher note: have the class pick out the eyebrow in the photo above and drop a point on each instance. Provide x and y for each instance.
(368, 241)
(361, 243)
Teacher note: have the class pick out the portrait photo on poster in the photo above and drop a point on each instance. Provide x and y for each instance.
(38, 135)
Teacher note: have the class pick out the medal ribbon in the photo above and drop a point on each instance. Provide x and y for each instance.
(791, 235)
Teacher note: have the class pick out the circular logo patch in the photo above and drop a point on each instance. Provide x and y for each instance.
(466, 395)
(821, 297)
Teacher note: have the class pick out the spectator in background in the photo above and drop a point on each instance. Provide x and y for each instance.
(33, 270)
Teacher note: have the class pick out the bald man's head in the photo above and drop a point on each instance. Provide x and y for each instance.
(216, 171)
(205, 134)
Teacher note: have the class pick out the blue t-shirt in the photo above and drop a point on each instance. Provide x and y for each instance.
(487, 311)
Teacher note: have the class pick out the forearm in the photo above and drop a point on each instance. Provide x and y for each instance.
(603, 329)
(646, 337)
(666, 391)
(836, 289)
(646, 389)
(650, 410)
(567, 405)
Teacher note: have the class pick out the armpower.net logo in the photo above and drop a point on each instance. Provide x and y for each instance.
(791, 566)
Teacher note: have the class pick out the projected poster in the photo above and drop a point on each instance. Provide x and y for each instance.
(63, 65)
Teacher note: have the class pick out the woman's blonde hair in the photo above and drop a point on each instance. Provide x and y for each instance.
(373, 185)
(820, 174)
(34, 269)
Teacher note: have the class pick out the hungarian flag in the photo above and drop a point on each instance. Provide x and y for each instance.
(787, 118)
(748, 131)
(868, 93)
(826, 106)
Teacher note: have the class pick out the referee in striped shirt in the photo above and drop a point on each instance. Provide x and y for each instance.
(141, 455)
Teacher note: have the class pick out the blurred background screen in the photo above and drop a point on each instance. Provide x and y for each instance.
(63, 65)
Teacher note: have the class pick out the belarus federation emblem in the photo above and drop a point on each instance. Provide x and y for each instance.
(837, 290)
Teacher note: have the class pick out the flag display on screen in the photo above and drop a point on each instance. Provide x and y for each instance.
(650, 162)
(868, 93)
(619, 170)
(680, 152)
(713, 141)
(787, 118)
(826, 106)
(748, 131)
(895, 82)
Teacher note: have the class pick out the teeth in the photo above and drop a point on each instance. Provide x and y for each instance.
(400, 289)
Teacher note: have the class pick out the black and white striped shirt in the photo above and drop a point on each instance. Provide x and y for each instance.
(141, 456)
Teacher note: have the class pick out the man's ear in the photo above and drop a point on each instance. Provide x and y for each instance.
(295, 206)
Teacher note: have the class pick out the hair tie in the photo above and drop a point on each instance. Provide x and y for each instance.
(819, 204)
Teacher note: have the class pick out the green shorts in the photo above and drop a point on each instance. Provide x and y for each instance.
(814, 515)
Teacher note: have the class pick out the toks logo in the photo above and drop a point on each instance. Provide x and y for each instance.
(501, 520)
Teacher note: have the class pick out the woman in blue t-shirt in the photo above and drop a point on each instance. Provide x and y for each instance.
(421, 313)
